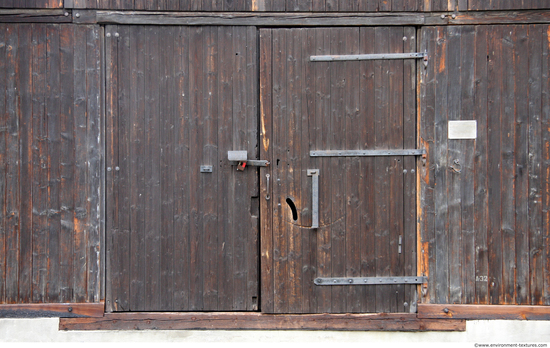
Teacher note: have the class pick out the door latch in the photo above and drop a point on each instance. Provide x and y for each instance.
(240, 158)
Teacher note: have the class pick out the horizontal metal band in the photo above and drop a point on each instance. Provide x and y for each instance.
(370, 280)
(363, 153)
(329, 58)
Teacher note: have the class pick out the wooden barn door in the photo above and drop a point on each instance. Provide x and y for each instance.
(182, 222)
(334, 223)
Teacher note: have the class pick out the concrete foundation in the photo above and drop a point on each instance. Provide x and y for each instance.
(482, 331)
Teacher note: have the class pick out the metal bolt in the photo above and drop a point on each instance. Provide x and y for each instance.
(117, 34)
(453, 16)
(70, 309)
(350, 281)
(412, 171)
(109, 169)
(404, 171)
(77, 15)
(117, 168)
(442, 16)
(108, 34)
(66, 14)
(446, 310)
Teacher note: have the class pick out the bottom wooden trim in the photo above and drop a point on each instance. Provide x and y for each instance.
(257, 321)
(481, 312)
(45, 310)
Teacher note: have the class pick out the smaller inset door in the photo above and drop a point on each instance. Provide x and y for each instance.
(360, 220)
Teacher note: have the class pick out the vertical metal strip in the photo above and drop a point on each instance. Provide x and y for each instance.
(314, 173)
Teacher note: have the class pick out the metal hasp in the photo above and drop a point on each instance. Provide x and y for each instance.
(362, 153)
(378, 56)
(314, 173)
(370, 280)
(241, 157)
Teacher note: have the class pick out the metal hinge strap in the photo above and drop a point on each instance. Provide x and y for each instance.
(371, 280)
(363, 153)
(332, 58)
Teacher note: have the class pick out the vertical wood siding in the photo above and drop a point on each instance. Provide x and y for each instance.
(366, 204)
(50, 155)
(179, 98)
(484, 221)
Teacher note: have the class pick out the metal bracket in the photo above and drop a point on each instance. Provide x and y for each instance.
(365, 153)
(371, 280)
(314, 173)
(332, 58)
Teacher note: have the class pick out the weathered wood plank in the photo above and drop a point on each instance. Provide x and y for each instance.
(535, 170)
(322, 102)
(34, 16)
(508, 168)
(114, 255)
(481, 174)
(295, 168)
(279, 141)
(242, 183)
(441, 275)
(409, 247)
(521, 151)
(309, 237)
(80, 222)
(94, 162)
(3, 164)
(265, 19)
(196, 200)
(40, 165)
(256, 321)
(167, 118)
(426, 129)
(545, 121)
(24, 87)
(382, 170)
(61, 310)
(66, 198)
(227, 175)
(366, 127)
(456, 162)
(352, 177)
(54, 139)
(337, 120)
(11, 194)
(467, 86)
(494, 75)
(252, 239)
(266, 153)
(210, 156)
(137, 60)
(483, 312)
(181, 173)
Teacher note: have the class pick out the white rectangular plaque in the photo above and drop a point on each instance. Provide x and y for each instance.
(462, 129)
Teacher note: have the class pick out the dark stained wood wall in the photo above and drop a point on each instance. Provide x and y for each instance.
(50, 163)
(484, 221)
(284, 5)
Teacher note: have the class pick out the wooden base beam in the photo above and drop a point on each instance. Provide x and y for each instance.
(47, 310)
(257, 321)
(35, 16)
(483, 312)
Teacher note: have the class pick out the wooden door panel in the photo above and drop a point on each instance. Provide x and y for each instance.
(365, 203)
(178, 238)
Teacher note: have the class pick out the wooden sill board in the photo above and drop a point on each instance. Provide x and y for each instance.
(258, 321)
(46, 310)
(483, 312)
